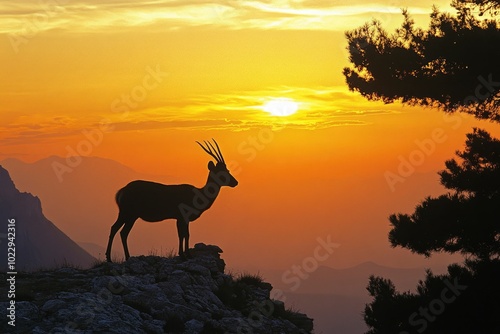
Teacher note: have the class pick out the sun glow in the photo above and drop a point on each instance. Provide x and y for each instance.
(281, 107)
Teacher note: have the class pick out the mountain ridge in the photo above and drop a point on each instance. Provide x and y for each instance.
(38, 242)
(83, 204)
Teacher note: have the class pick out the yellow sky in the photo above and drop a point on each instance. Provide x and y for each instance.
(70, 65)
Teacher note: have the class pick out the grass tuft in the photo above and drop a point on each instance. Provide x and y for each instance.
(169, 254)
(250, 279)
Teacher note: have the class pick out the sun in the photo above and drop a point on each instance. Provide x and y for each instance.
(281, 107)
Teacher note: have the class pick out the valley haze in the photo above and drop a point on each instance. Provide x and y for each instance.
(83, 207)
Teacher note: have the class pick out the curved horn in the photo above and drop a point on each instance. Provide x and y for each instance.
(217, 152)
(209, 151)
(218, 149)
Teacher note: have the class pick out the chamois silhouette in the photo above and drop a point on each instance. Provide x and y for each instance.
(155, 202)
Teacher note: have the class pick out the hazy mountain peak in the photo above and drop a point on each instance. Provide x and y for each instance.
(6, 183)
(39, 243)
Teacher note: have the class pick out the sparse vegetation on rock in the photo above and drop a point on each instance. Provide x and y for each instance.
(151, 294)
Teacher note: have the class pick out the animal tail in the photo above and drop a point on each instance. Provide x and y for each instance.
(118, 196)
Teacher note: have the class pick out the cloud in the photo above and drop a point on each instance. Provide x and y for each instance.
(29, 128)
(31, 17)
(13, 137)
(319, 108)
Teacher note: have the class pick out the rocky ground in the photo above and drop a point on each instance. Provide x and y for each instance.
(148, 294)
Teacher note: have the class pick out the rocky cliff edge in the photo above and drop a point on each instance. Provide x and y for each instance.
(150, 294)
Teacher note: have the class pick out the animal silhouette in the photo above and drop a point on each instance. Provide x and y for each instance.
(155, 202)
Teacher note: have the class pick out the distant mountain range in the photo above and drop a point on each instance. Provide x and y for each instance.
(353, 281)
(81, 201)
(38, 242)
(83, 206)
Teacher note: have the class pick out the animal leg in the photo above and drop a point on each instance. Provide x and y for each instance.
(114, 228)
(124, 234)
(186, 246)
(181, 232)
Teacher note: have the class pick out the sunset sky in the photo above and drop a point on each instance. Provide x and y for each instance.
(142, 81)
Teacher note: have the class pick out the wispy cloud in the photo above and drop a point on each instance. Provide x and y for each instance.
(319, 108)
(37, 127)
(23, 17)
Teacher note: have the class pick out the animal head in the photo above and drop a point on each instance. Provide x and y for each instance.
(218, 171)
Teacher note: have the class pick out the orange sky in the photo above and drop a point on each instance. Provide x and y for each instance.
(146, 79)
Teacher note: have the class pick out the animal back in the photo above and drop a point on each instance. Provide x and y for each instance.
(153, 201)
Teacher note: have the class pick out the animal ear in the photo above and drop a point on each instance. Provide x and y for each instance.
(211, 165)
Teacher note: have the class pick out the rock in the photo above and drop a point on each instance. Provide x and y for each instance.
(154, 326)
(67, 271)
(26, 310)
(302, 321)
(151, 294)
(52, 305)
(193, 326)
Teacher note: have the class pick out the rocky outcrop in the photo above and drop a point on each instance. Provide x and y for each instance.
(151, 294)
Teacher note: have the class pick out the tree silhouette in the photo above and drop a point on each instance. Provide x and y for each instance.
(463, 301)
(453, 65)
(465, 220)
(484, 6)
